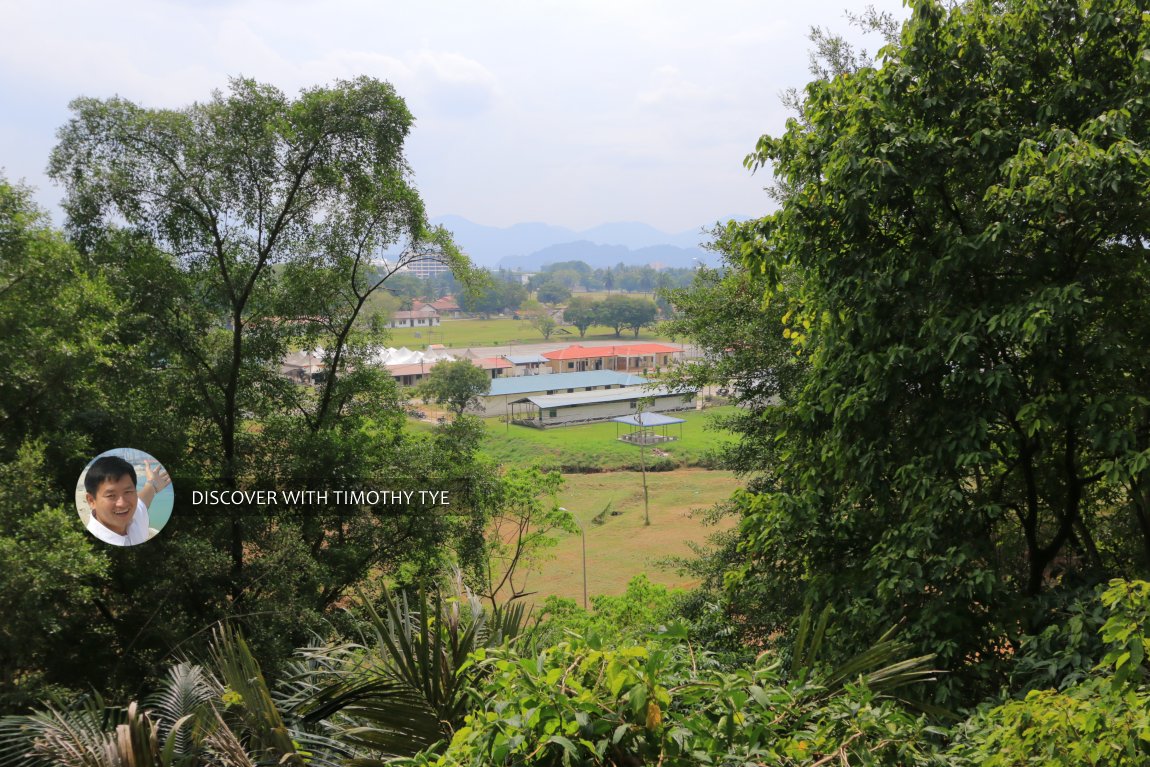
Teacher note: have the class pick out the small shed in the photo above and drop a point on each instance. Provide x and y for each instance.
(648, 428)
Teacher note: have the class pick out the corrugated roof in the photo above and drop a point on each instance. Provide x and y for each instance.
(525, 359)
(648, 419)
(493, 363)
(413, 368)
(577, 352)
(524, 384)
(415, 315)
(546, 401)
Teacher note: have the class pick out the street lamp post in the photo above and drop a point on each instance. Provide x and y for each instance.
(583, 535)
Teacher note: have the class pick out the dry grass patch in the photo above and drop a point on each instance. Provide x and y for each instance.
(622, 547)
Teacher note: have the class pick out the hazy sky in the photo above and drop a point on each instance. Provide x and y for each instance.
(573, 113)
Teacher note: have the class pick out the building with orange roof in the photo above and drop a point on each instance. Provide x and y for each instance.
(625, 358)
(444, 307)
(495, 366)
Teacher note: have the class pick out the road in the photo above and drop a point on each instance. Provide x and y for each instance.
(550, 346)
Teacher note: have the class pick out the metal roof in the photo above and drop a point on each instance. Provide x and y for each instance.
(648, 419)
(549, 381)
(525, 359)
(546, 401)
(493, 363)
(577, 352)
(418, 314)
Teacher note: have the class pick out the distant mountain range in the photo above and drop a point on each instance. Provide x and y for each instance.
(530, 247)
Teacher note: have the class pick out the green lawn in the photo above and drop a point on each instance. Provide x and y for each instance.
(595, 447)
(599, 295)
(623, 547)
(502, 332)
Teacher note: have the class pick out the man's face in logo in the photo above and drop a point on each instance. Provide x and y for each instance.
(114, 503)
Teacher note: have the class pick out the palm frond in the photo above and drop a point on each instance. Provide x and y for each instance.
(411, 686)
(185, 693)
(138, 739)
(390, 716)
(224, 745)
(808, 644)
(76, 736)
(265, 732)
(882, 667)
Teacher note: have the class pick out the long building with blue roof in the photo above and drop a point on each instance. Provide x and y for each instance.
(505, 390)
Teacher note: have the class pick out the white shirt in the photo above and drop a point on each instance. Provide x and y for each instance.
(137, 530)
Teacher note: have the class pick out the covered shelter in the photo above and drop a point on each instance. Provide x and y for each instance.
(648, 428)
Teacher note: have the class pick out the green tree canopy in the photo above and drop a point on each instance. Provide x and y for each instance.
(968, 219)
(552, 292)
(237, 231)
(539, 316)
(621, 312)
(274, 207)
(458, 384)
(581, 312)
(58, 327)
(496, 295)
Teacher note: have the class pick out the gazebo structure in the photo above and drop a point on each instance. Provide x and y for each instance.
(648, 428)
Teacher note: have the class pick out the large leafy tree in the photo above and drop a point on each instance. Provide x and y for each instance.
(743, 355)
(969, 221)
(50, 583)
(539, 316)
(553, 292)
(499, 293)
(620, 312)
(580, 313)
(59, 328)
(745, 358)
(458, 384)
(274, 206)
(64, 345)
(244, 228)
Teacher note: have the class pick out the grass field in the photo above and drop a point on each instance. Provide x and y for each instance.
(623, 547)
(503, 332)
(599, 295)
(595, 447)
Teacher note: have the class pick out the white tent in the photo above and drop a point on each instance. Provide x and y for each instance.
(405, 356)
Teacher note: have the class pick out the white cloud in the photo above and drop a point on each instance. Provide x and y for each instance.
(454, 85)
(573, 113)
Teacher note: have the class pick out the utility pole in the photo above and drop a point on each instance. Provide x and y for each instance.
(643, 466)
(583, 535)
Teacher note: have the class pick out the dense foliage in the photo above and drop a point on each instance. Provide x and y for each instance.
(206, 245)
(486, 684)
(937, 343)
(456, 384)
(967, 226)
